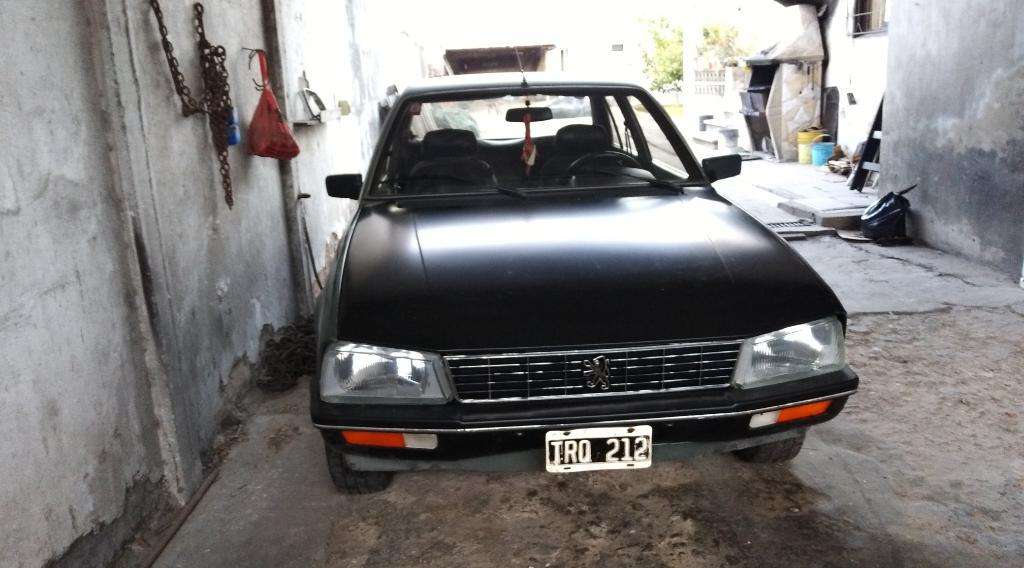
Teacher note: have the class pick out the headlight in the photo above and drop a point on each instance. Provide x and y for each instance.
(356, 373)
(793, 353)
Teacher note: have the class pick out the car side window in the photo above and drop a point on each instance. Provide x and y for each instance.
(662, 153)
(622, 138)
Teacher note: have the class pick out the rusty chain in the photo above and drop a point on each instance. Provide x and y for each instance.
(188, 104)
(216, 99)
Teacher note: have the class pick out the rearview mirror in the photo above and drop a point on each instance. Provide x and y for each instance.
(537, 114)
(344, 186)
(721, 167)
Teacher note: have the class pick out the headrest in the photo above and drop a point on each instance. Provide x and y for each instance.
(448, 143)
(581, 138)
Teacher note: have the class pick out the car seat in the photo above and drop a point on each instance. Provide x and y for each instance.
(571, 143)
(448, 158)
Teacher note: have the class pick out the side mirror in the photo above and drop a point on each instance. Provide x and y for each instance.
(721, 167)
(344, 186)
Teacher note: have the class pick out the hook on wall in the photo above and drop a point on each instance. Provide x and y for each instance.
(253, 52)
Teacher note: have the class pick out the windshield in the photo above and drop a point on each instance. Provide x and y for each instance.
(520, 143)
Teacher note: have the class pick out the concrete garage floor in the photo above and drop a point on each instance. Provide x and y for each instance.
(924, 468)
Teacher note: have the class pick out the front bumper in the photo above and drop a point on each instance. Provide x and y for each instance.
(502, 436)
(533, 459)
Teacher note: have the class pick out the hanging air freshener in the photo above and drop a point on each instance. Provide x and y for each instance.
(529, 154)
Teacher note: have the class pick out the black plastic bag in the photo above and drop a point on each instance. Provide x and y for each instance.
(887, 217)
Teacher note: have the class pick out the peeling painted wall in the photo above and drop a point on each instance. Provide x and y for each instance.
(954, 124)
(76, 421)
(132, 300)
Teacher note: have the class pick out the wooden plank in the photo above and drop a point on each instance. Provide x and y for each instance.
(869, 153)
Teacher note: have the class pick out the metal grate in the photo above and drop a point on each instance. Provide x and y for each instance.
(559, 374)
(790, 224)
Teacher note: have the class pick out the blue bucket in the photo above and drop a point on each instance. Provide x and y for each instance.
(821, 152)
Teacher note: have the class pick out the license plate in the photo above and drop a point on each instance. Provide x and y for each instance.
(587, 449)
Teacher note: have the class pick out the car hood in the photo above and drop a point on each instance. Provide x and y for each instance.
(546, 272)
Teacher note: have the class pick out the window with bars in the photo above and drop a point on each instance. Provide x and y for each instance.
(868, 17)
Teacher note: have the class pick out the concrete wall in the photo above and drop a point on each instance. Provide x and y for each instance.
(857, 66)
(954, 125)
(341, 66)
(219, 275)
(76, 419)
(133, 301)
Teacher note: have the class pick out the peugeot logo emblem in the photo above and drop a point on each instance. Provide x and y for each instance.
(597, 373)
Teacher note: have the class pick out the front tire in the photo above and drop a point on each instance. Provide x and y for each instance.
(353, 482)
(773, 452)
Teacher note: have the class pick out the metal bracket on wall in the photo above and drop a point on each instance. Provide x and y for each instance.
(314, 104)
(316, 109)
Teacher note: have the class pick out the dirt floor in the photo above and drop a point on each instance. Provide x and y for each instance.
(925, 467)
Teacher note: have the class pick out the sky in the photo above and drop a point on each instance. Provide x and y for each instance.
(488, 23)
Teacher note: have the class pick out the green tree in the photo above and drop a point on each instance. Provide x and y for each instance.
(720, 45)
(663, 60)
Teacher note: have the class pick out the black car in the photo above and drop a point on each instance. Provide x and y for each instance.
(525, 291)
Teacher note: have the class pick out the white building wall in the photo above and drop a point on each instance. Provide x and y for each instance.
(336, 47)
(857, 66)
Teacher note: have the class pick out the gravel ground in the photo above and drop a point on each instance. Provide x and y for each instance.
(925, 466)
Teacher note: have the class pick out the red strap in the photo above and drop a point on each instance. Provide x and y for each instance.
(528, 148)
(263, 67)
(527, 139)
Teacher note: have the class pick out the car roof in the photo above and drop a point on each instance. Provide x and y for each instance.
(472, 82)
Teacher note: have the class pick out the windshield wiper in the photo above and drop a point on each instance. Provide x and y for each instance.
(652, 181)
(499, 188)
(510, 191)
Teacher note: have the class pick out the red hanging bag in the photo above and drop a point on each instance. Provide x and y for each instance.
(269, 135)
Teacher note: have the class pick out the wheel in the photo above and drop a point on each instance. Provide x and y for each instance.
(354, 482)
(772, 452)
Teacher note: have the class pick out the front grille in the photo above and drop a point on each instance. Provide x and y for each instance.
(518, 376)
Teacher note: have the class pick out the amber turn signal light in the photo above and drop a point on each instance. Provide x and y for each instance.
(789, 414)
(803, 411)
(380, 439)
(390, 439)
